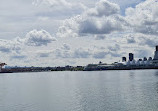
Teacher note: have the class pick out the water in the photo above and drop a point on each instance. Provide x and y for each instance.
(80, 91)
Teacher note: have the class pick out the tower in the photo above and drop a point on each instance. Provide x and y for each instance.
(156, 53)
(131, 56)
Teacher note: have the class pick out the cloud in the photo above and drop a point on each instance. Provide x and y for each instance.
(139, 39)
(7, 46)
(144, 17)
(66, 47)
(131, 39)
(100, 55)
(5, 49)
(69, 27)
(19, 57)
(100, 37)
(59, 53)
(77, 53)
(104, 8)
(51, 3)
(115, 54)
(114, 48)
(117, 34)
(105, 25)
(58, 8)
(44, 54)
(38, 38)
(149, 41)
(105, 21)
(81, 53)
(140, 53)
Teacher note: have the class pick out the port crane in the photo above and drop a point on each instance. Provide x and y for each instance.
(1, 65)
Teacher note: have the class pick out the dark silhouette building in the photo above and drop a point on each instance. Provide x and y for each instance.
(157, 48)
(144, 59)
(131, 56)
(150, 59)
(140, 60)
(124, 59)
(156, 53)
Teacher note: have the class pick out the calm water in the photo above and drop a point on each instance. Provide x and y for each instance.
(80, 91)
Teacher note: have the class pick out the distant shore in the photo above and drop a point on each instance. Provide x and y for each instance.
(71, 68)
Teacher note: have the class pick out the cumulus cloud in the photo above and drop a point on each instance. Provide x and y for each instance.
(104, 25)
(69, 27)
(105, 20)
(144, 17)
(104, 8)
(38, 38)
(7, 46)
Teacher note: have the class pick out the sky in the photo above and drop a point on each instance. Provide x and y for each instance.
(76, 32)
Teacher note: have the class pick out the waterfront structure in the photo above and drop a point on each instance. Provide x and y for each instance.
(155, 60)
(150, 59)
(1, 65)
(124, 59)
(144, 59)
(131, 56)
(128, 65)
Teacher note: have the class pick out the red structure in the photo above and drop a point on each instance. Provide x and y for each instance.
(1, 65)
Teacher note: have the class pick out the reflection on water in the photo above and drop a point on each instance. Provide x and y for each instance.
(156, 84)
(131, 74)
(156, 73)
(80, 91)
(156, 87)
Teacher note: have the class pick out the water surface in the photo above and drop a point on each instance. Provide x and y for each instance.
(80, 91)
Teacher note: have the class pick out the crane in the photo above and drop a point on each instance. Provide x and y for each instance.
(1, 65)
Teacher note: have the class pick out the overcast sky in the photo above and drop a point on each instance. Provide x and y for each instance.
(76, 32)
